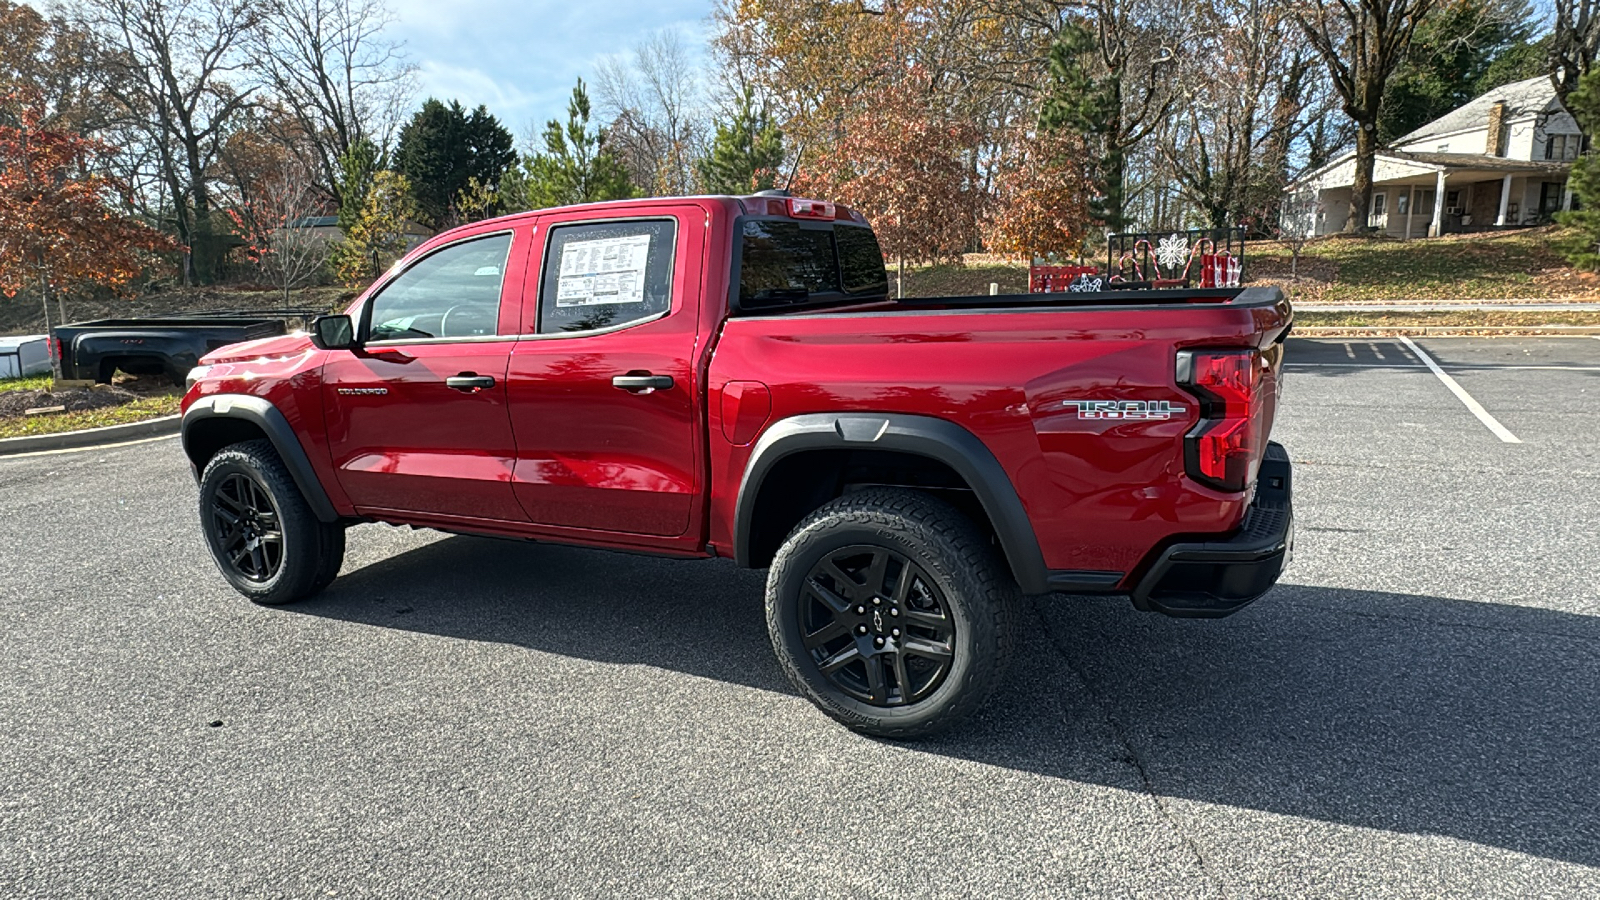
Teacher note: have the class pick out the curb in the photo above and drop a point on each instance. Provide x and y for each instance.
(90, 437)
(1445, 330)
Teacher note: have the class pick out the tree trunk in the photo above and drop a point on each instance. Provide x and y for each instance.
(1361, 186)
(900, 280)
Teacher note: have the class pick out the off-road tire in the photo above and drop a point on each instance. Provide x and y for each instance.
(311, 550)
(332, 556)
(967, 573)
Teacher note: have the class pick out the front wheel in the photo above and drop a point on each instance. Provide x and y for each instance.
(890, 612)
(261, 531)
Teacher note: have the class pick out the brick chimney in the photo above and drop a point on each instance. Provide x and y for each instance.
(1496, 144)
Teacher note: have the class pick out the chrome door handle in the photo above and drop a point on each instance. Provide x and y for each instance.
(642, 382)
(469, 382)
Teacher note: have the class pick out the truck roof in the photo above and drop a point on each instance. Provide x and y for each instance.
(776, 202)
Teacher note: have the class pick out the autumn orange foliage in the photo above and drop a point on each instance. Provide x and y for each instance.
(57, 225)
(905, 166)
(1041, 195)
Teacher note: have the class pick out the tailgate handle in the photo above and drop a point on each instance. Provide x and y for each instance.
(642, 382)
(469, 382)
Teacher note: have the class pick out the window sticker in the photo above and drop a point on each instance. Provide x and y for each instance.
(609, 270)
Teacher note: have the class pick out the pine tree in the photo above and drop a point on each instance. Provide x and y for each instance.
(1580, 242)
(1086, 106)
(357, 166)
(746, 154)
(576, 167)
(444, 147)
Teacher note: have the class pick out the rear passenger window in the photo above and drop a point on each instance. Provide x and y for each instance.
(605, 275)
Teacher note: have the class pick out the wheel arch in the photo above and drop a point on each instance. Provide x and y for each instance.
(763, 515)
(218, 420)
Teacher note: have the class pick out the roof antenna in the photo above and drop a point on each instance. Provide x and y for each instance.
(794, 169)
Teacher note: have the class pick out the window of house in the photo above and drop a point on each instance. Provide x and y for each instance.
(1550, 197)
(1380, 204)
(1561, 146)
(453, 292)
(1402, 204)
(606, 274)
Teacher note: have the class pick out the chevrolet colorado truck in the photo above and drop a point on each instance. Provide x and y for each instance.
(727, 377)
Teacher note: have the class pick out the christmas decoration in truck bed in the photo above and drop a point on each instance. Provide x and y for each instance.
(1198, 258)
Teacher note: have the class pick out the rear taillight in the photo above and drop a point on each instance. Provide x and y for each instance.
(1223, 450)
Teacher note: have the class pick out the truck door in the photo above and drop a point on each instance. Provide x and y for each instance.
(416, 417)
(603, 392)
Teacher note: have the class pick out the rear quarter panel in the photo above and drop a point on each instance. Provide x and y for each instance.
(1100, 494)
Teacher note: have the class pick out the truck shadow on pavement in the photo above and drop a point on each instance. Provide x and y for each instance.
(1413, 714)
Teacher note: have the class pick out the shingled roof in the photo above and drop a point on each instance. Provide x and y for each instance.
(1522, 99)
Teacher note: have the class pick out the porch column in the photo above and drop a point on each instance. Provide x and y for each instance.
(1438, 207)
(1566, 195)
(1505, 198)
(1411, 208)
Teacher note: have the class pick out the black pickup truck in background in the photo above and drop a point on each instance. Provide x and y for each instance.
(156, 345)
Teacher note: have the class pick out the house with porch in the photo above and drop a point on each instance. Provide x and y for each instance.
(1499, 161)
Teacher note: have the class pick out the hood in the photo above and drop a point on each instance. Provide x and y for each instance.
(280, 345)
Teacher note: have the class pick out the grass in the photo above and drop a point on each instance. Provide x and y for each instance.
(150, 406)
(972, 279)
(30, 383)
(136, 411)
(1512, 265)
(1520, 265)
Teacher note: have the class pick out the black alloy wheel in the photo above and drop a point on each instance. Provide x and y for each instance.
(261, 531)
(248, 527)
(890, 610)
(876, 626)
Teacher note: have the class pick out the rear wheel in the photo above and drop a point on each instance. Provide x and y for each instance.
(261, 531)
(890, 612)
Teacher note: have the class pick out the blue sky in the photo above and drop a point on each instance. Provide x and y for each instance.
(522, 58)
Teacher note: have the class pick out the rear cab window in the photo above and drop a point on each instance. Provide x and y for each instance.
(783, 262)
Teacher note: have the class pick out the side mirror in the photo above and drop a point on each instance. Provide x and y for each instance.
(333, 332)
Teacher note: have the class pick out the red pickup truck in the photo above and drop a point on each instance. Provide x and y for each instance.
(728, 377)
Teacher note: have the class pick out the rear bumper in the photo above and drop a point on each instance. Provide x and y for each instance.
(1210, 579)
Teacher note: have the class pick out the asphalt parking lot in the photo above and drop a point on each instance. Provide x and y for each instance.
(1413, 712)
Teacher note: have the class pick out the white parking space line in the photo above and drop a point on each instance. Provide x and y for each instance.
(1459, 367)
(1385, 365)
(1348, 351)
(1377, 352)
(1476, 408)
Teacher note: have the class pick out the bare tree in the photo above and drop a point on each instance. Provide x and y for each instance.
(1574, 43)
(1297, 224)
(658, 123)
(1361, 42)
(330, 64)
(173, 68)
(296, 253)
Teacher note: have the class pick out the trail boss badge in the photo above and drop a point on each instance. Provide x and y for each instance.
(1125, 409)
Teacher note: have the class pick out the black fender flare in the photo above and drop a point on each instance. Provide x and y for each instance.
(936, 439)
(260, 412)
